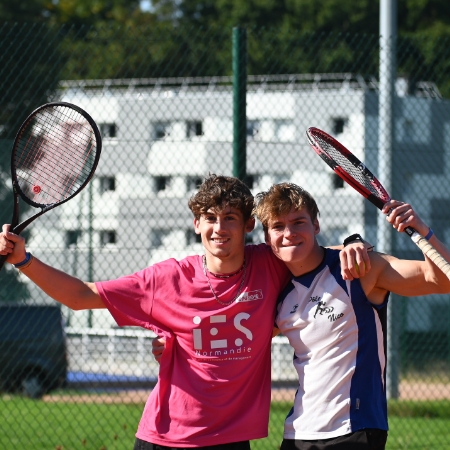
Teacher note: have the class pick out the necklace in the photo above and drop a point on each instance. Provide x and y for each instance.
(221, 276)
(205, 270)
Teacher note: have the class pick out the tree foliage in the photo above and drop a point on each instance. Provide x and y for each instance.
(30, 66)
(337, 16)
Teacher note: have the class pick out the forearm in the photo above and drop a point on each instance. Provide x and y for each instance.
(63, 288)
(401, 215)
(434, 273)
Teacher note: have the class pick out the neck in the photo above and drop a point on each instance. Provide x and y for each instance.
(217, 265)
(311, 262)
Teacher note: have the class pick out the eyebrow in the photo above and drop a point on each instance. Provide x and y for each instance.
(298, 217)
(277, 222)
(228, 213)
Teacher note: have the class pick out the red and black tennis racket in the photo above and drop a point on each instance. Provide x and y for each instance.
(358, 176)
(55, 154)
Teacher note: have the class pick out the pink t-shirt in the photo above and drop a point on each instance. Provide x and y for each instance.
(214, 380)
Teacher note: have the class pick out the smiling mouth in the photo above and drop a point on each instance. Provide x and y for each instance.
(220, 241)
(291, 245)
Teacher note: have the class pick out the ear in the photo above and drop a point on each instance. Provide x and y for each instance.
(316, 227)
(196, 226)
(250, 225)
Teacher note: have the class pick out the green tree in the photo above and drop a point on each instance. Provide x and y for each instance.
(23, 11)
(284, 35)
(85, 13)
(29, 74)
(328, 16)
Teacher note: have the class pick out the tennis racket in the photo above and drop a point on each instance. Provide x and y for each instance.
(54, 155)
(358, 176)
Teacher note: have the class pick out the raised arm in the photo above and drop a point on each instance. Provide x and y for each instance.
(63, 288)
(407, 277)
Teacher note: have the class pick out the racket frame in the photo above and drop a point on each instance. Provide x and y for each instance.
(378, 202)
(417, 238)
(17, 191)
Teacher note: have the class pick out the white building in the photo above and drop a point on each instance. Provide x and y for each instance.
(162, 136)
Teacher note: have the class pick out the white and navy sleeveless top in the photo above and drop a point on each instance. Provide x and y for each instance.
(339, 345)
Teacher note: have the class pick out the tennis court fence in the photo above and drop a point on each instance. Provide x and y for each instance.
(163, 100)
(123, 358)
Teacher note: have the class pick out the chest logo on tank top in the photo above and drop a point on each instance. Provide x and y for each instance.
(323, 310)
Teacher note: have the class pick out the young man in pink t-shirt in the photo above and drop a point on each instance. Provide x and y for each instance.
(216, 313)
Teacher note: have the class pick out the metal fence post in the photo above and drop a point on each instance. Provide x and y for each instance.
(388, 32)
(239, 102)
(91, 250)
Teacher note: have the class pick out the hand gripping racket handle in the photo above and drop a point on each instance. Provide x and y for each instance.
(429, 251)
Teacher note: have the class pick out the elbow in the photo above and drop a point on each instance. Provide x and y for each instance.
(76, 307)
(71, 303)
(442, 286)
(445, 289)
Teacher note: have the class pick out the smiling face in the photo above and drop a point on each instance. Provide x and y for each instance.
(289, 215)
(223, 237)
(292, 238)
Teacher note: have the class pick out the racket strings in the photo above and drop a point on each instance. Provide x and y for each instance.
(355, 169)
(55, 154)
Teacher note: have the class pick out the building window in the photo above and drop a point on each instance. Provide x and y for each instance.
(192, 237)
(162, 183)
(107, 184)
(194, 128)
(253, 128)
(107, 237)
(72, 238)
(193, 183)
(338, 125)
(108, 130)
(157, 236)
(161, 130)
(336, 181)
(409, 131)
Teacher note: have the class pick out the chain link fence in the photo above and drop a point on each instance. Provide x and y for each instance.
(164, 103)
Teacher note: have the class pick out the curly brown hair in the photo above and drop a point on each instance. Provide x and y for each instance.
(280, 199)
(219, 191)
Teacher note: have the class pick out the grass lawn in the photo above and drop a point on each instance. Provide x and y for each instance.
(413, 425)
(100, 426)
(31, 424)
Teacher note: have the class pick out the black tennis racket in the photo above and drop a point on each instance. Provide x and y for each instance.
(358, 176)
(55, 154)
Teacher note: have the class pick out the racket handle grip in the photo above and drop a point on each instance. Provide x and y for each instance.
(431, 252)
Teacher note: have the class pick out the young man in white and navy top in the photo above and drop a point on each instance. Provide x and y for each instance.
(336, 324)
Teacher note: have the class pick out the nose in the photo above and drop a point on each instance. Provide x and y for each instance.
(219, 225)
(289, 231)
